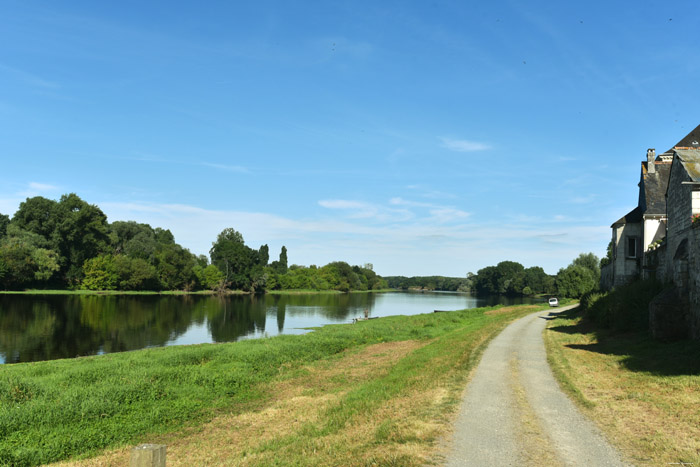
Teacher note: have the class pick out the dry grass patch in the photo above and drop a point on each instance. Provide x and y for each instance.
(507, 309)
(295, 403)
(648, 408)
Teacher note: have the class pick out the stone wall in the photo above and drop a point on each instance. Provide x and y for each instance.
(606, 277)
(626, 269)
(678, 261)
(679, 209)
(694, 281)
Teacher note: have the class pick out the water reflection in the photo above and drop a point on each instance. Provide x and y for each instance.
(34, 328)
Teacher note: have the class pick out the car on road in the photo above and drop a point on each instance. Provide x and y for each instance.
(553, 301)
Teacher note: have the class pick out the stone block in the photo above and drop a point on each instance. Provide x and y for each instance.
(148, 455)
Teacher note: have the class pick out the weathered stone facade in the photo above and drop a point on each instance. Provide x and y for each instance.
(670, 240)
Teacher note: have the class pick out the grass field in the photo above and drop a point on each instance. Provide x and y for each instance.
(375, 392)
(644, 394)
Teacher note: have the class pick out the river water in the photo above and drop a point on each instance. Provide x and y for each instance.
(47, 327)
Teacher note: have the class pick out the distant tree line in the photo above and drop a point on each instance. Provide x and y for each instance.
(69, 244)
(512, 278)
(449, 284)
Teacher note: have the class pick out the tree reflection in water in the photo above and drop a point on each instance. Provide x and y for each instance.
(46, 327)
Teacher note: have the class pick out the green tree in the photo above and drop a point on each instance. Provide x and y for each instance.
(280, 266)
(575, 280)
(210, 276)
(588, 261)
(230, 254)
(38, 215)
(4, 222)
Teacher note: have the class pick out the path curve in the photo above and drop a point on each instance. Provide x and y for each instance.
(513, 412)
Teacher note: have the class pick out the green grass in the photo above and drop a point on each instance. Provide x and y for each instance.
(74, 408)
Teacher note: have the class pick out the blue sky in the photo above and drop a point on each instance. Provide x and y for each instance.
(423, 137)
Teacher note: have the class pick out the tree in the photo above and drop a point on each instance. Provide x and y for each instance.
(4, 222)
(283, 260)
(588, 261)
(230, 254)
(263, 255)
(37, 215)
(575, 280)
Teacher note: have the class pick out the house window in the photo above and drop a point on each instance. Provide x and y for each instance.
(631, 247)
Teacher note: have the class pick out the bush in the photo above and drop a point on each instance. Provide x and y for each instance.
(625, 308)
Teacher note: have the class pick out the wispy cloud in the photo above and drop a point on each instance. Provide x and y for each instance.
(363, 210)
(463, 145)
(36, 189)
(229, 168)
(29, 78)
(42, 186)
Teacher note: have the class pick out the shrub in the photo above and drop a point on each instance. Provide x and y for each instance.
(625, 308)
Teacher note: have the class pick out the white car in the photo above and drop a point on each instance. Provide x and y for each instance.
(553, 302)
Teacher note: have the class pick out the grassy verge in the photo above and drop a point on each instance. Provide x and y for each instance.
(379, 391)
(643, 394)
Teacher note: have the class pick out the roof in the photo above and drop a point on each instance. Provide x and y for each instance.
(690, 158)
(688, 140)
(634, 216)
(655, 185)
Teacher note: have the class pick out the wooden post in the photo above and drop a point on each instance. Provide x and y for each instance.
(148, 455)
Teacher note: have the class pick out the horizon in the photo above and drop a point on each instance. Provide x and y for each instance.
(424, 139)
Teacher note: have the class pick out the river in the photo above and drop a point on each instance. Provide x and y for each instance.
(47, 327)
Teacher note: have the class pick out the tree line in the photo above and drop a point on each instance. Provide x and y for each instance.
(512, 278)
(449, 284)
(69, 244)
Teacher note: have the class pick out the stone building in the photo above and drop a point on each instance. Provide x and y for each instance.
(659, 239)
(636, 231)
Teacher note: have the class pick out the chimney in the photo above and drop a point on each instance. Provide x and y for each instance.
(651, 156)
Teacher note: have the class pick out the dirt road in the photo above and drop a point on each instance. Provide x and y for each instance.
(514, 413)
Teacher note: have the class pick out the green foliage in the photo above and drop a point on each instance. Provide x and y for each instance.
(4, 222)
(580, 277)
(574, 281)
(23, 260)
(68, 243)
(511, 278)
(338, 276)
(625, 308)
(236, 260)
(120, 272)
(209, 277)
(449, 284)
(280, 266)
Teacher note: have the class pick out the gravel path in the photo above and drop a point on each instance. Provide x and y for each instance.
(514, 413)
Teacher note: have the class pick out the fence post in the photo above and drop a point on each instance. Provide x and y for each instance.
(148, 455)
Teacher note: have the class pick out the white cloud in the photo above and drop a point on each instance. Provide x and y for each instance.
(42, 187)
(463, 145)
(362, 210)
(445, 215)
(229, 168)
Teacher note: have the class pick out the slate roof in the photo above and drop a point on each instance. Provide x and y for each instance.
(655, 184)
(688, 140)
(634, 216)
(690, 158)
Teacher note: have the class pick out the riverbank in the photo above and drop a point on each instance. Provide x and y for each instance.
(378, 391)
(181, 292)
(642, 393)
